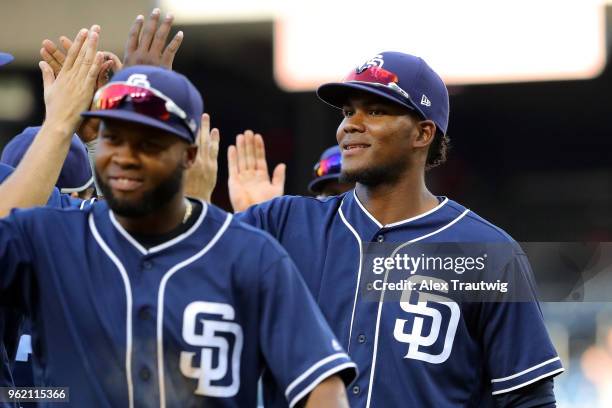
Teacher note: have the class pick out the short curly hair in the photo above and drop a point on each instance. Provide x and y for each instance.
(438, 151)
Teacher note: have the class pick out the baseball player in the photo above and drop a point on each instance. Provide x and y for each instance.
(75, 177)
(327, 173)
(414, 353)
(154, 299)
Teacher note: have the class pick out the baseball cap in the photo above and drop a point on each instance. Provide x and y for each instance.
(398, 77)
(151, 96)
(75, 175)
(327, 168)
(5, 58)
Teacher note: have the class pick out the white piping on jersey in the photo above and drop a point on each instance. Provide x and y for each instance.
(350, 227)
(382, 296)
(128, 319)
(560, 370)
(535, 367)
(164, 245)
(316, 382)
(91, 201)
(160, 306)
(395, 224)
(69, 190)
(312, 369)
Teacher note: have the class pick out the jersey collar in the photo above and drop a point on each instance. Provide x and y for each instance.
(363, 221)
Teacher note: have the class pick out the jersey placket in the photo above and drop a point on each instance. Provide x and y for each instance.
(145, 278)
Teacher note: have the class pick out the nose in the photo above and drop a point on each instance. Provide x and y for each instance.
(125, 155)
(350, 124)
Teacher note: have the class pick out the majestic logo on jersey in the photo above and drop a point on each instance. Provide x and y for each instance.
(376, 61)
(417, 339)
(139, 80)
(221, 342)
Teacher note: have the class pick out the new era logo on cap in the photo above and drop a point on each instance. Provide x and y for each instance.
(425, 101)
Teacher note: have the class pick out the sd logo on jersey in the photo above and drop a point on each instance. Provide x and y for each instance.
(212, 345)
(417, 338)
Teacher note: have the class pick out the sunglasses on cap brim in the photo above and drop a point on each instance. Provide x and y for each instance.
(383, 78)
(145, 101)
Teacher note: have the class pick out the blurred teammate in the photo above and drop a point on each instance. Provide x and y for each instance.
(427, 350)
(75, 177)
(327, 173)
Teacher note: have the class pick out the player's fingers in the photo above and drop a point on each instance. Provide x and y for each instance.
(54, 51)
(161, 35)
(149, 30)
(132, 42)
(94, 69)
(171, 50)
(213, 145)
(75, 48)
(47, 74)
(241, 152)
(278, 177)
(104, 75)
(48, 58)
(91, 50)
(65, 43)
(249, 147)
(232, 161)
(203, 136)
(260, 154)
(116, 65)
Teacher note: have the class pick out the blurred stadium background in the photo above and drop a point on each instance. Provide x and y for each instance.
(531, 115)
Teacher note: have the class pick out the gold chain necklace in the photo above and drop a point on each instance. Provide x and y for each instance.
(188, 210)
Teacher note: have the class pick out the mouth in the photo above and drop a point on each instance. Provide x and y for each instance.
(354, 148)
(125, 184)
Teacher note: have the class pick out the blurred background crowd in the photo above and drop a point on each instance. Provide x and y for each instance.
(530, 122)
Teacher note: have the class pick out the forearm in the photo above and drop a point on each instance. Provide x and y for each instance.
(330, 393)
(33, 180)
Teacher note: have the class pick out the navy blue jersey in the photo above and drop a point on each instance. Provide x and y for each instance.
(481, 349)
(190, 322)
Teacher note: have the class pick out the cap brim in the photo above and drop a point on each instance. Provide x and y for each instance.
(316, 185)
(336, 94)
(5, 58)
(134, 117)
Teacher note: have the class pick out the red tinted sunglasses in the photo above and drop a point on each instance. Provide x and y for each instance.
(377, 76)
(146, 101)
(329, 165)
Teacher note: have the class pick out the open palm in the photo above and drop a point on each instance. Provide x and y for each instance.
(249, 182)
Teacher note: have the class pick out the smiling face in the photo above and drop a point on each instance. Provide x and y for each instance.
(380, 140)
(140, 169)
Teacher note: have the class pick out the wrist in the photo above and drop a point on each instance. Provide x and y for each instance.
(60, 129)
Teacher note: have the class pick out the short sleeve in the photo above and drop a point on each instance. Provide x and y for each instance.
(517, 346)
(269, 216)
(299, 348)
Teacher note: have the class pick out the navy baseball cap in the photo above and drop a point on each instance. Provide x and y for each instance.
(326, 169)
(398, 77)
(174, 104)
(5, 58)
(76, 173)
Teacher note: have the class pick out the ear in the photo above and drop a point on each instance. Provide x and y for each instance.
(190, 155)
(427, 132)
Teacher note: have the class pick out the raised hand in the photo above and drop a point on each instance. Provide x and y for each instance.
(249, 182)
(55, 57)
(146, 43)
(201, 177)
(70, 92)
